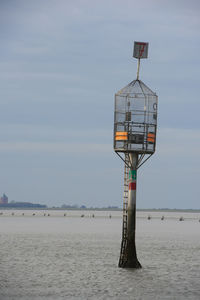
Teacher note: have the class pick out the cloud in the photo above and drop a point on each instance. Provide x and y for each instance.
(173, 142)
(55, 148)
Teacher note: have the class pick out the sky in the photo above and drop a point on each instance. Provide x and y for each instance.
(61, 62)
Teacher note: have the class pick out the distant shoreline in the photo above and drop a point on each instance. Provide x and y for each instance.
(101, 209)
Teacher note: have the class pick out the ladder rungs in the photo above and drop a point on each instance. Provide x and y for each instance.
(125, 205)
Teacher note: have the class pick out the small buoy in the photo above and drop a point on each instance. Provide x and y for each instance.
(162, 218)
(181, 219)
(149, 218)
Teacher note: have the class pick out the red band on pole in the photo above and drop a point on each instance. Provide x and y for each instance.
(132, 186)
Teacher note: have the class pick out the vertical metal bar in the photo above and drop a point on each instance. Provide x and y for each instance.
(138, 68)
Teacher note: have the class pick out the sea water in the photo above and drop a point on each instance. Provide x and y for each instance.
(76, 256)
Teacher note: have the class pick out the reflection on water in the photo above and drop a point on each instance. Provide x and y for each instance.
(74, 257)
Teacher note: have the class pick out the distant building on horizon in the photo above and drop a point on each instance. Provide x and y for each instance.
(4, 199)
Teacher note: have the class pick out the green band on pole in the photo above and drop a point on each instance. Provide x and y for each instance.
(132, 174)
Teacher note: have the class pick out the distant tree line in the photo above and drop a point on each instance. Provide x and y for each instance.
(22, 205)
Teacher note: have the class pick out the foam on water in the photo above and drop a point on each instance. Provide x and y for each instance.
(76, 258)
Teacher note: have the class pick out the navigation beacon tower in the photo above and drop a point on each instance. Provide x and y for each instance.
(135, 124)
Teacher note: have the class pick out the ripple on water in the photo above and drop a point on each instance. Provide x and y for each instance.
(80, 262)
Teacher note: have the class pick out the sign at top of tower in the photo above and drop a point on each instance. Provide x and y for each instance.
(140, 50)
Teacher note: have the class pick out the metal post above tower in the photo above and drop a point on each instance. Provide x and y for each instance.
(140, 51)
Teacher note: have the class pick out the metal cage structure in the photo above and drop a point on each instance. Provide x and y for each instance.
(135, 119)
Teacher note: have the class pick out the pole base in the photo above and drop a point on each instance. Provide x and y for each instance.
(133, 264)
(128, 256)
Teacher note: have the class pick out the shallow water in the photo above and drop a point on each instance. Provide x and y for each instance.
(70, 257)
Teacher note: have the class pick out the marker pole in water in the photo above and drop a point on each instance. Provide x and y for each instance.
(131, 256)
(135, 136)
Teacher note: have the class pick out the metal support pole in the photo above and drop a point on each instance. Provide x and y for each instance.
(138, 68)
(128, 258)
(132, 261)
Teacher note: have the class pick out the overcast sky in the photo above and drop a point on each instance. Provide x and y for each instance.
(61, 62)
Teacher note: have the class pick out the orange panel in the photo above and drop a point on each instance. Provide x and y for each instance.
(121, 133)
(150, 140)
(121, 138)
